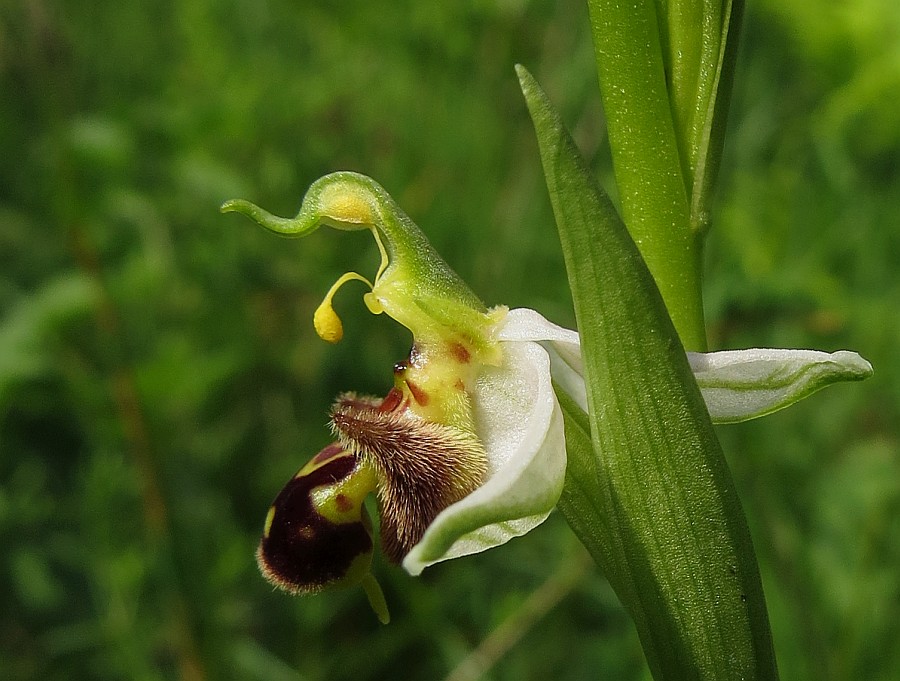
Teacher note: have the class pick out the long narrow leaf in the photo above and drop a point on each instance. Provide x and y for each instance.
(654, 501)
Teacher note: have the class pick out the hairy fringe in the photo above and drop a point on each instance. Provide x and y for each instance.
(423, 467)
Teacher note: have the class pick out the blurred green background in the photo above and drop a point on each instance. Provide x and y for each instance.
(160, 379)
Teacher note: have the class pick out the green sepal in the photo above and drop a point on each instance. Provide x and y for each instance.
(739, 385)
(652, 497)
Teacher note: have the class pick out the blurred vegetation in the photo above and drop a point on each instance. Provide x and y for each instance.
(160, 378)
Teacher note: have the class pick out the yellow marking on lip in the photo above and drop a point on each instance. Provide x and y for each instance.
(270, 517)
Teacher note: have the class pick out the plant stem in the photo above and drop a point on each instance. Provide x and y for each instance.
(646, 159)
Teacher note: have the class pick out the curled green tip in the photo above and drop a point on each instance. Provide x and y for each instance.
(233, 206)
(287, 227)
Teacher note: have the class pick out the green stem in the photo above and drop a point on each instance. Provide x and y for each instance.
(646, 158)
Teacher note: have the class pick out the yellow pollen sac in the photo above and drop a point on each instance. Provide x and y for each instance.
(325, 320)
(328, 324)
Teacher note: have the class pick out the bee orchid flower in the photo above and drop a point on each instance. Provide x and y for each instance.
(467, 448)
(464, 452)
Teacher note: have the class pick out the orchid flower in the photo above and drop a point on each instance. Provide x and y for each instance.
(467, 449)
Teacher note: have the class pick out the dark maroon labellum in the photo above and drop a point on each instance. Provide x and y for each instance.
(302, 551)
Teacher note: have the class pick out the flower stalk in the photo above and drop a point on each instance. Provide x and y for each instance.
(666, 72)
(646, 157)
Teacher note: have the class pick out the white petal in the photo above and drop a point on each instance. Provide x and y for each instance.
(736, 385)
(523, 324)
(521, 426)
(563, 344)
(742, 384)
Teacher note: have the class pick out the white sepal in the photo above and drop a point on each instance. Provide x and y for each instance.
(738, 385)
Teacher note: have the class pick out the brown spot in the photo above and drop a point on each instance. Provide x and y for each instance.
(392, 401)
(459, 384)
(418, 394)
(343, 503)
(460, 353)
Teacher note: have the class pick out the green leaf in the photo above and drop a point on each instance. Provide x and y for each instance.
(688, 33)
(653, 500)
